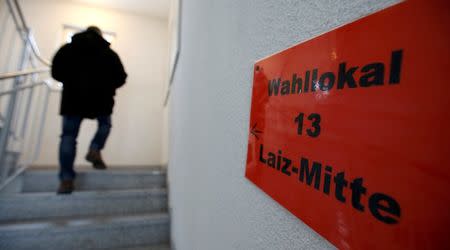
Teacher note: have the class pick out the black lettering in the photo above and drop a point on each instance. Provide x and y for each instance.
(396, 67)
(357, 190)
(279, 160)
(381, 202)
(299, 120)
(271, 159)
(315, 172)
(327, 180)
(374, 75)
(314, 83)
(307, 81)
(340, 181)
(287, 164)
(315, 118)
(274, 86)
(296, 86)
(383, 207)
(286, 88)
(261, 150)
(329, 76)
(346, 76)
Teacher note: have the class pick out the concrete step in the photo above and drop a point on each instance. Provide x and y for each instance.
(89, 233)
(33, 206)
(9, 162)
(90, 179)
(160, 247)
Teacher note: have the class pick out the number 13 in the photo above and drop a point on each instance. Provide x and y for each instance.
(315, 119)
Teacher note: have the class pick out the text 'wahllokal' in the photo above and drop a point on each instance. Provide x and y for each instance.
(372, 74)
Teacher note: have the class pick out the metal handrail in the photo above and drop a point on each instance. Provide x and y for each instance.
(25, 72)
(36, 51)
(28, 86)
(19, 11)
(19, 103)
(30, 38)
(177, 53)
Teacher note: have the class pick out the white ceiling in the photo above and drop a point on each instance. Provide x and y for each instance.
(156, 8)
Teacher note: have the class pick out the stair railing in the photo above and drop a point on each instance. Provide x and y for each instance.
(25, 88)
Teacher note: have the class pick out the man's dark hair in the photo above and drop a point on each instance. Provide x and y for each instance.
(94, 29)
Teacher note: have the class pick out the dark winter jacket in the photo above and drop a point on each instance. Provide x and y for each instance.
(90, 72)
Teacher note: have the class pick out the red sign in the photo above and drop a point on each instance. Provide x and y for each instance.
(350, 131)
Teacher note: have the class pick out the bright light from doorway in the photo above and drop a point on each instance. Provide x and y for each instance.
(69, 31)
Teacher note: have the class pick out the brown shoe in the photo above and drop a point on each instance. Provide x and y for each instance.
(95, 158)
(65, 187)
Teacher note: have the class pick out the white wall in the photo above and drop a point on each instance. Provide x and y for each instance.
(213, 205)
(141, 42)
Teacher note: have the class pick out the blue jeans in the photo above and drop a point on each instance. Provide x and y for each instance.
(68, 144)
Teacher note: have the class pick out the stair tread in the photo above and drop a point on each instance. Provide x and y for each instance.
(90, 179)
(84, 194)
(109, 170)
(94, 221)
(100, 232)
(38, 206)
(153, 247)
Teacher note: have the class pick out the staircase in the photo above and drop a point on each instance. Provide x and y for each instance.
(112, 209)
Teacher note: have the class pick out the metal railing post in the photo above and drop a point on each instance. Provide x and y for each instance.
(4, 136)
(37, 150)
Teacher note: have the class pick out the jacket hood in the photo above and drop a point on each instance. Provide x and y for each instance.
(89, 40)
